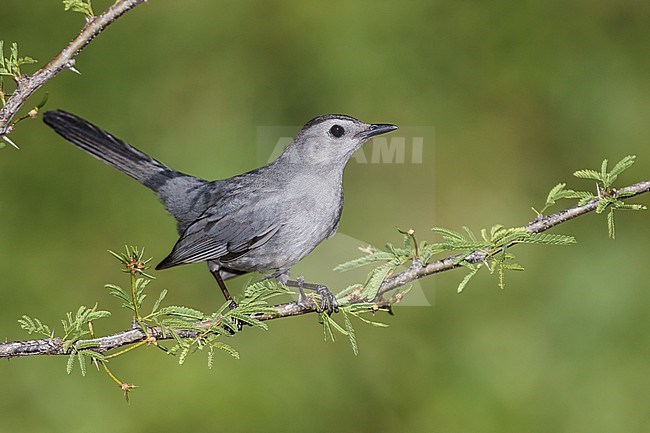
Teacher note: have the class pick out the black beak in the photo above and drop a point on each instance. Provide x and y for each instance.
(376, 129)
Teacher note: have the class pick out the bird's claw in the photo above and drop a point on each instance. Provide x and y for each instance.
(327, 303)
(328, 300)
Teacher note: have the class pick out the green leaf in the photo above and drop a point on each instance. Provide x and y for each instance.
(376, 256)
(70, 364)
(558, 192)
(119, 293)
(11, 66)
(96, 315)
(473, 270)
(226, 348)
(505, 236)
(494, 232)
(350, 330)
(43, 101)
(80, 6)
(626, 206)
(512, 266)
(175, 324)
(502, 281)
(369, 322)
(586, 198)
(262, 291)
(3, 65)
(183, 355)
(485, 236)
(569, 193)
(408, 241)
(602, 204)
(210, 357)
(335, 326)
(623, 165)
(549, 239)
(468, 246)
(182, 313)
(625, 193)
(376, 277)
(327, 329)
(82, 363)
(588, 174)
(428, 250)
(159, 300)
(553, 195)
(75, 326)
(348, 290)
(448, 235)
(603, 171)
(119, 257)
(34, 326)
(619, 168)
(611, 230)
(470, 234)
(248, 319)
(397, 252)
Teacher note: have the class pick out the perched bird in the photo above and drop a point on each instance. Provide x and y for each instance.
(267, 219)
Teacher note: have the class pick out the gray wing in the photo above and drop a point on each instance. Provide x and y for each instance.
(244, 215)
(220, 237)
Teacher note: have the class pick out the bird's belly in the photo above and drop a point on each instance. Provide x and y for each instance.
(301, 230)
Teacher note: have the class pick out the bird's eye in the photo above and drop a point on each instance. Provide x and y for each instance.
(337, 131)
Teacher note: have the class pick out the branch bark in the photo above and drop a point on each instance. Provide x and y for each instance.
(26, 86)
(54, 346)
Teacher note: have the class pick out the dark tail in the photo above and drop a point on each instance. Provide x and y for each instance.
(109, 149)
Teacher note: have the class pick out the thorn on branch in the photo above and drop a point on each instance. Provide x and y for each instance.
(71, 66)
(8, 140)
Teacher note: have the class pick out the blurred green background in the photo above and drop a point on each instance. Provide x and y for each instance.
(518, 94)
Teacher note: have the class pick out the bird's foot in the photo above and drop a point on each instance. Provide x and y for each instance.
(327, 299)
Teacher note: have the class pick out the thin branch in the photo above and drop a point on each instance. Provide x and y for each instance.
(54, 346)
(542, 224)
(26, 86)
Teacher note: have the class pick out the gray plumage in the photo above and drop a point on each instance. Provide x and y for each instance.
(267, 219)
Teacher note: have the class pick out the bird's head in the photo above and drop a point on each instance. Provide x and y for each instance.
(331, 139)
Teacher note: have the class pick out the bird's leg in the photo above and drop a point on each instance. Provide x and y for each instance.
(328, 300)
(224, 289)
(302, 298)
(226, 294)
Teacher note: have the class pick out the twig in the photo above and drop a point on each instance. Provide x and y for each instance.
(54, 346)
(26, 86)
(417, 270)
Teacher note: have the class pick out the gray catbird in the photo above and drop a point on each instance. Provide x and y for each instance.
(267, 219)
